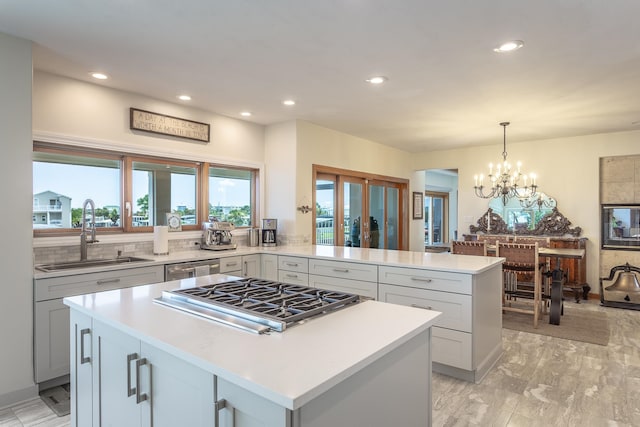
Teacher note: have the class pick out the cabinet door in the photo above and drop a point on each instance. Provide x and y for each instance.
(51, 329)
(114, 378)
(181, 394)
(269, 267)
(241, 408)
(251, 266)
(81, 370)
(231, 264)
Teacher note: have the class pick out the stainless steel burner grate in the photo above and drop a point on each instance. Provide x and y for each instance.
(255, 304)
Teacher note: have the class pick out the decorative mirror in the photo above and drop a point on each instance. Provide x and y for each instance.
(523, 214)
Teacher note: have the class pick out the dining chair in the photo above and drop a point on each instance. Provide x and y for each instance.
(521, 258)
(469, 248)
(543, 242)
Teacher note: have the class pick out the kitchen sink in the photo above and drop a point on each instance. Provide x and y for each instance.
(89, 263)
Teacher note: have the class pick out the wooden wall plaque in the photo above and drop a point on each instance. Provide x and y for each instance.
(148, 121)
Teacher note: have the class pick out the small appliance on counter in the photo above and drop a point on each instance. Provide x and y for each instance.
(216, 236)
(269, 232)
(253, 237)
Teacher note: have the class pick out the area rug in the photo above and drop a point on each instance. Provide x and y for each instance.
(58, 399)
(576, 324)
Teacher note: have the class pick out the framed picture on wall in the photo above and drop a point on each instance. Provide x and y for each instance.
(418, 205)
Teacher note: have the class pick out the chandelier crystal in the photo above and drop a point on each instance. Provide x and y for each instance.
(505, 182)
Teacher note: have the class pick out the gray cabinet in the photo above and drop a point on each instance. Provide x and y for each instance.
(350, 277)
(293, 270)
(137, 384)
(244, 266)
(51, 316)
(251, 266)
(467, 337)
(269, 266)
(231, 265)
(81, 372)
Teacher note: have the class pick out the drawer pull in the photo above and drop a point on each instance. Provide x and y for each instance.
(293, 276)
(141, 397)
(130, 358)
(84, 359)
(104, 282)
(421, 279)
(231, 264)
(341, 270)
(291, 264)
(422, 307)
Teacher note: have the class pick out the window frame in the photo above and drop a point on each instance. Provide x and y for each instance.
(126, 160)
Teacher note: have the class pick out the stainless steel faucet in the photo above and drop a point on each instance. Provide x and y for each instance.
(92, 228)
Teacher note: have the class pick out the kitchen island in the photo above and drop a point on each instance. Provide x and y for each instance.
(136, 362)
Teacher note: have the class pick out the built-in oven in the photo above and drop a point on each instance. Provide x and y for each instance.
(185, 270)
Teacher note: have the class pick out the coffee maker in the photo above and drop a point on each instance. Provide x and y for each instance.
(269, 232)
(216, 236)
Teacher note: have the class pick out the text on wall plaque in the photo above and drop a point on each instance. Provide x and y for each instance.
(168, 125)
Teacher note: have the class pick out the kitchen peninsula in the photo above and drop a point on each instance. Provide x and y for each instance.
(134, 360)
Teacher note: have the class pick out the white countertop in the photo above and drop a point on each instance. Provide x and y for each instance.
(423, 260)
(289, 368)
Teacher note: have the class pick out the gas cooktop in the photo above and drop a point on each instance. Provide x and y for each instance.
(256, 305)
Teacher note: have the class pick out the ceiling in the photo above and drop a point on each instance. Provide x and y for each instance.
(577, 74)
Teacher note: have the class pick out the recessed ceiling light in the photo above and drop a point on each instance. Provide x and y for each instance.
(246, 114)
(184, 97)
(377, 80)
(99, 76)
(289, 102)
(509, 46)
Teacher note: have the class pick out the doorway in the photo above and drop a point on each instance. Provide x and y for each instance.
(357, 210)
(441, 207)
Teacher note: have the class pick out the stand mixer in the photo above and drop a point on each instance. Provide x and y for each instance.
(216, 236)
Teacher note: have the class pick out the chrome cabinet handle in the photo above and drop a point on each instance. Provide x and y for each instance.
(220, 405)
(291, 264)
(293, 276)
(130, 391)
(231, 264)
(422, 307)
(420, 279)
(140, 397)
(84, 359)
(105, 281)
(341, 270)
(244, 269)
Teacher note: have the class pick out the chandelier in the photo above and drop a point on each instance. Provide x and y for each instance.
(505, 183)
(541, 200)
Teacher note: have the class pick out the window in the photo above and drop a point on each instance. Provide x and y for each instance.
(231, 195)
(160, 188)
(133, 193)
(62, 182)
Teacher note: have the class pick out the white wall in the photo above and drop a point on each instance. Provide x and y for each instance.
(64, 107)
(16, 264)
(567, 169)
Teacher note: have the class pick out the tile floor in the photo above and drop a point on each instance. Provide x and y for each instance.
(539, 381)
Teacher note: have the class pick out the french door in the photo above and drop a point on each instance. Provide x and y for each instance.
(436, 206)
(358, 212)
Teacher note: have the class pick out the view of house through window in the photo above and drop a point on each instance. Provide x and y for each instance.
(61, 183)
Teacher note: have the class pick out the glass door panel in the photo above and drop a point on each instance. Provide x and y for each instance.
(376, 236)
(352, 208)
(325, 210)
(435, 218)
(393, 218)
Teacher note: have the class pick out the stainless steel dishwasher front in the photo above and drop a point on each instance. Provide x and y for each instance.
(185, 270)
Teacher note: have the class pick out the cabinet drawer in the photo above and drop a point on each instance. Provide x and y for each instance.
(60, 287)
(290, 263)
(232, 263)
(451, 348)
(426, 279)
(293, 278)
(455, 308)
(346, 270)
(358, 287)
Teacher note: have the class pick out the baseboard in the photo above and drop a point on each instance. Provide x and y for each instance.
(17, 396)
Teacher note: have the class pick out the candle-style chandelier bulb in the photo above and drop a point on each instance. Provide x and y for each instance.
(504, 183)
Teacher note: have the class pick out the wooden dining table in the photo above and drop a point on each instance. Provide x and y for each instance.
(556, 310)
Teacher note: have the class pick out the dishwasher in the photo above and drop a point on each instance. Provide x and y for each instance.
(185, 270)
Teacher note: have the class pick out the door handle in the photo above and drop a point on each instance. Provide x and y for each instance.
(220, 405)
(84, 359)
(130, 391)
(141, 397)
